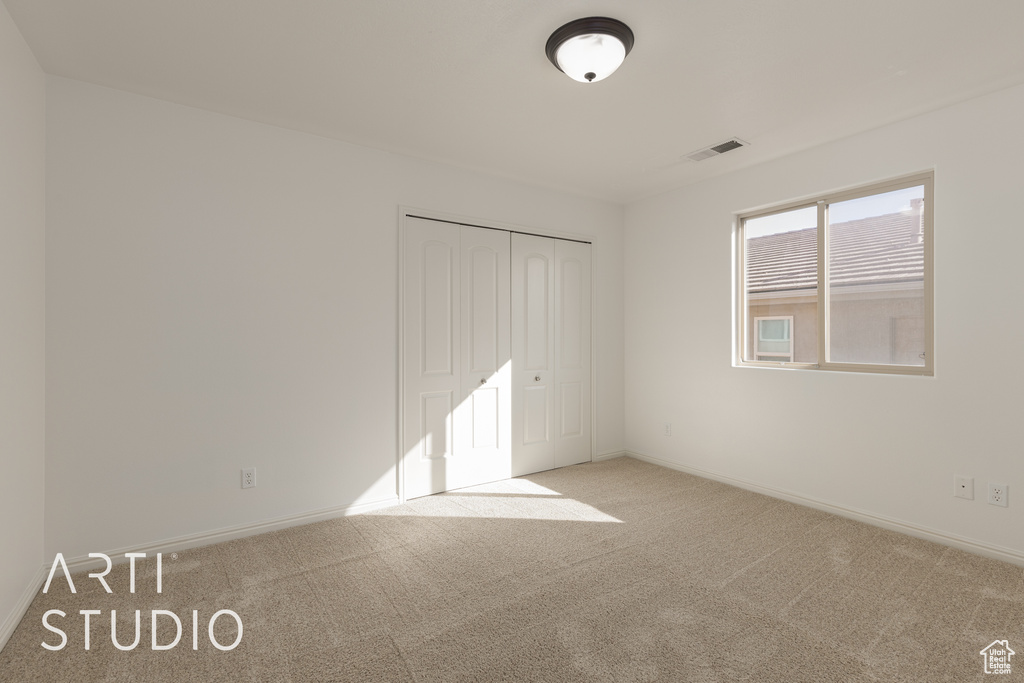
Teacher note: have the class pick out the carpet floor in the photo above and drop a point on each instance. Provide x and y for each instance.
(610, 571)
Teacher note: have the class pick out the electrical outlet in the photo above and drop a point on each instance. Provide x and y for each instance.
(248, 477)
(963, 487)
(668, 429)
(998, 494)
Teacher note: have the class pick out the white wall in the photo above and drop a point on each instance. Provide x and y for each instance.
(886, 445)
(223, 294)
(22, 320)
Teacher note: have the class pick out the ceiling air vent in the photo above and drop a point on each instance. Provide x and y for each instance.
(715, 150)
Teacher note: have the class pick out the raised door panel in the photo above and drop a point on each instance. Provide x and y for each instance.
(435, 425)
(483, 309)
(438, 321)
(570, 409)
(537, 312)
(571, 309)
(535, 415)
(486, 407)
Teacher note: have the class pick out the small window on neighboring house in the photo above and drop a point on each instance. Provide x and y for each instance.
(840, 282)
(774, 339)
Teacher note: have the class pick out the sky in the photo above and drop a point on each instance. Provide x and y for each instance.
(840, 212)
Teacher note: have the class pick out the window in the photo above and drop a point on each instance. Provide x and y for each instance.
(840, 282)
(774, 338)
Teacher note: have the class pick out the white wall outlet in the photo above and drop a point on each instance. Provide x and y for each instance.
(668, 429)
(963, 487)
(998, 494)
(248, 477)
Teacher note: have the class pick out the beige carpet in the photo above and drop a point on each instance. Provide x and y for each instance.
(613, 571)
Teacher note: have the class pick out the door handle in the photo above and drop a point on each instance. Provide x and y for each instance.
(483, 380)
(537, 378)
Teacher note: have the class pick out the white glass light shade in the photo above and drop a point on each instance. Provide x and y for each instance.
(591, 57)
(589, 49)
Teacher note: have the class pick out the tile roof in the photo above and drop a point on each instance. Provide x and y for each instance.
(871, 251)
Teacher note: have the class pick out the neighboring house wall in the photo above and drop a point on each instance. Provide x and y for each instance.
(22, 321)
(884, 327)
(877, 327)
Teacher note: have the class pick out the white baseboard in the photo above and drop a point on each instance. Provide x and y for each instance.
(610, 455)
(220, 535)
(899, 526)
(20, 607)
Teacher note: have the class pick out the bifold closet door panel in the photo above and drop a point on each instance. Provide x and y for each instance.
(457, 392)
(533, 351)
(432, 353)
(572, 396)
(484, 439)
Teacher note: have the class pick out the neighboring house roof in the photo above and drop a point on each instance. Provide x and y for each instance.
(872, 251)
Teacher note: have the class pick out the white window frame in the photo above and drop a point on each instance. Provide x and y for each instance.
(778, 357)
(925, 179)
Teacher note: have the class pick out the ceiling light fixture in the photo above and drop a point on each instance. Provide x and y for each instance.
(591, 49)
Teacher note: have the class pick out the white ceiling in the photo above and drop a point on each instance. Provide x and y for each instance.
(467, 82)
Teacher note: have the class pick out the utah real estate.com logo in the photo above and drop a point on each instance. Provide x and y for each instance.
(154, 614)
(997, 657)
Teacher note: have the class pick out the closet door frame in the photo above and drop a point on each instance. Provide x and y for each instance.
(405, 211)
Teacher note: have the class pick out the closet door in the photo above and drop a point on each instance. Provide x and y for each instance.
(533, 351)
(572, 353)
(484, 441)
(432, 349)
(551, 311)
(456, 377)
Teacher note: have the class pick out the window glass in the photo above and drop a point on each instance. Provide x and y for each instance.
(876, 302)
(864, 305)
(781, 269)
(774, 339)
(773, 334)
